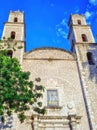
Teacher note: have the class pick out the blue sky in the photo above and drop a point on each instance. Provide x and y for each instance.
(47, 20)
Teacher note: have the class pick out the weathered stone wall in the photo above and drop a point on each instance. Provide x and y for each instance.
(17, 28)
(89, 78)
(85, 29)
(58, 71)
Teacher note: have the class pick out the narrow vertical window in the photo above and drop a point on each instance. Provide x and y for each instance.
(84, 38)
(79, 22)
(12, 35)
(90, 58)
(15, 19)
(52, 98)
(10, 53)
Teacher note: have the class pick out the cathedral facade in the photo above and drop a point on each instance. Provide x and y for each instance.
(69, 77)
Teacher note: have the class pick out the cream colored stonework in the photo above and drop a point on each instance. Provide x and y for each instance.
(87, 71)
(67, 73)
(58, 71)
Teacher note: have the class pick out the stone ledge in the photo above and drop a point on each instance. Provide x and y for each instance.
(53, 107)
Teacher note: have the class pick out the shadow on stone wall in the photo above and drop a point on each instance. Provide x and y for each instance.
(8, 124)
(90, 67)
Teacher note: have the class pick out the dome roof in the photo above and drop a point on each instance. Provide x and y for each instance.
(47, 53)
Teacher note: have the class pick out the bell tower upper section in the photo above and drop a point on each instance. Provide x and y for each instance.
(14, 34)
(15, 28)
(17, 17)
(79, 32)
(83, 44)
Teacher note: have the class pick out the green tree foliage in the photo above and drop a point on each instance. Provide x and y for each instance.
(17, 93)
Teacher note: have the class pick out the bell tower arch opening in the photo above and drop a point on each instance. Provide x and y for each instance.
(84, 38)
(79, 22)
(90, 58)
(12, 35)
(10, 53)
(15, 19)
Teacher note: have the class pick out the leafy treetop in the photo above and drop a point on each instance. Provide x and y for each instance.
(17, 93)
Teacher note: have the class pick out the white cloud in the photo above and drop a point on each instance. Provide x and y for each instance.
(93, 2)
(61, 29)
(61, 32)
(64, 23)
(88, 14)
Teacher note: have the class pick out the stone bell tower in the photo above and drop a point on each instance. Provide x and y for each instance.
(85, 48)
(14, 30)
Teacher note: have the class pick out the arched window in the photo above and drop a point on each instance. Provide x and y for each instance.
(79, 22)
(90, 58)
(12, 35)
(84, 38)
(10, 53)
(15, 19)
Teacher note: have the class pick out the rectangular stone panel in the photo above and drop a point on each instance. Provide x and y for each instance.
(52, 98)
